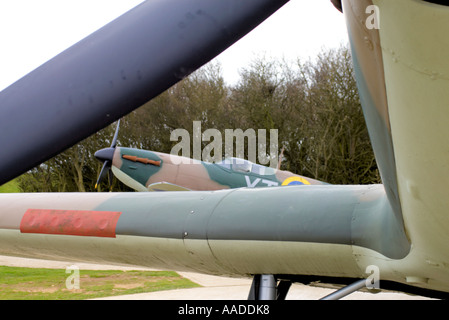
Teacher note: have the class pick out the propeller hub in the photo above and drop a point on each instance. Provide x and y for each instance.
(106, 154)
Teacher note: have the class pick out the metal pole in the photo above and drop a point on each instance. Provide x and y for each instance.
(343, 292)
(267, 289)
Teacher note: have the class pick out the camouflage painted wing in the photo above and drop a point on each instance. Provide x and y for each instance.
(235, 232)
(166, 186)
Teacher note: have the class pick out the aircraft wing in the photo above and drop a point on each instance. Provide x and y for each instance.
(235, 232)
(166, 186)
(400, 227)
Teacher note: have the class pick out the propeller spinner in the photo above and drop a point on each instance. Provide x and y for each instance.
(106, 155)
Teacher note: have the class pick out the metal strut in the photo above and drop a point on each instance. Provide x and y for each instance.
(265, 287)
(343, 292)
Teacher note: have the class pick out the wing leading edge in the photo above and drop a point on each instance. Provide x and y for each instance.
(211, 231)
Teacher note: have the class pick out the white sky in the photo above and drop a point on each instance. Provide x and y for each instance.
(32, 32)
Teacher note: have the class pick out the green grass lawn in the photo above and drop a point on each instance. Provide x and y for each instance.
(50, 284)
(10, 187)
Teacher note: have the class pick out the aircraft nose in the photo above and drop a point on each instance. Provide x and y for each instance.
(105, 154)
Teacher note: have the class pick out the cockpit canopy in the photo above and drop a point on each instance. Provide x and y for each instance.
(245, 166)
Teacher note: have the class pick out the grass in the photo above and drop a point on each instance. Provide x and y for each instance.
(10, 187)
(50, 284)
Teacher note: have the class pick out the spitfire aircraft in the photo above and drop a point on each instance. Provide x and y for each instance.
(144, 170)
(277, 235)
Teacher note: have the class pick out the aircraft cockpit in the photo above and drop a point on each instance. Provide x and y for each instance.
(244, 166)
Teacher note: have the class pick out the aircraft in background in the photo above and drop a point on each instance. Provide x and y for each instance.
(396, 232)
(144, 170)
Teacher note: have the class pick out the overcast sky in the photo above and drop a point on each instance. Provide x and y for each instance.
(32, 32)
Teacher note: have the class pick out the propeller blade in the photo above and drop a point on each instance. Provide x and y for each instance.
(114, 71)
(114, 140)
(104, 171)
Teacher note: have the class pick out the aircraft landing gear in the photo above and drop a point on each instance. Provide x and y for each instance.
(266, 287)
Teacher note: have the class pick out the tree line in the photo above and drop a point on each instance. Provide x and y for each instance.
(313, 104)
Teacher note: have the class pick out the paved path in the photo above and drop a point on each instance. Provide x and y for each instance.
(213, 287)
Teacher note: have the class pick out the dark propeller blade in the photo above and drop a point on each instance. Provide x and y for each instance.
(114, 140)
(104, 171)
(114, 71)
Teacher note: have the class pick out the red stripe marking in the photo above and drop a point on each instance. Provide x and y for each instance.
(70, 222)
